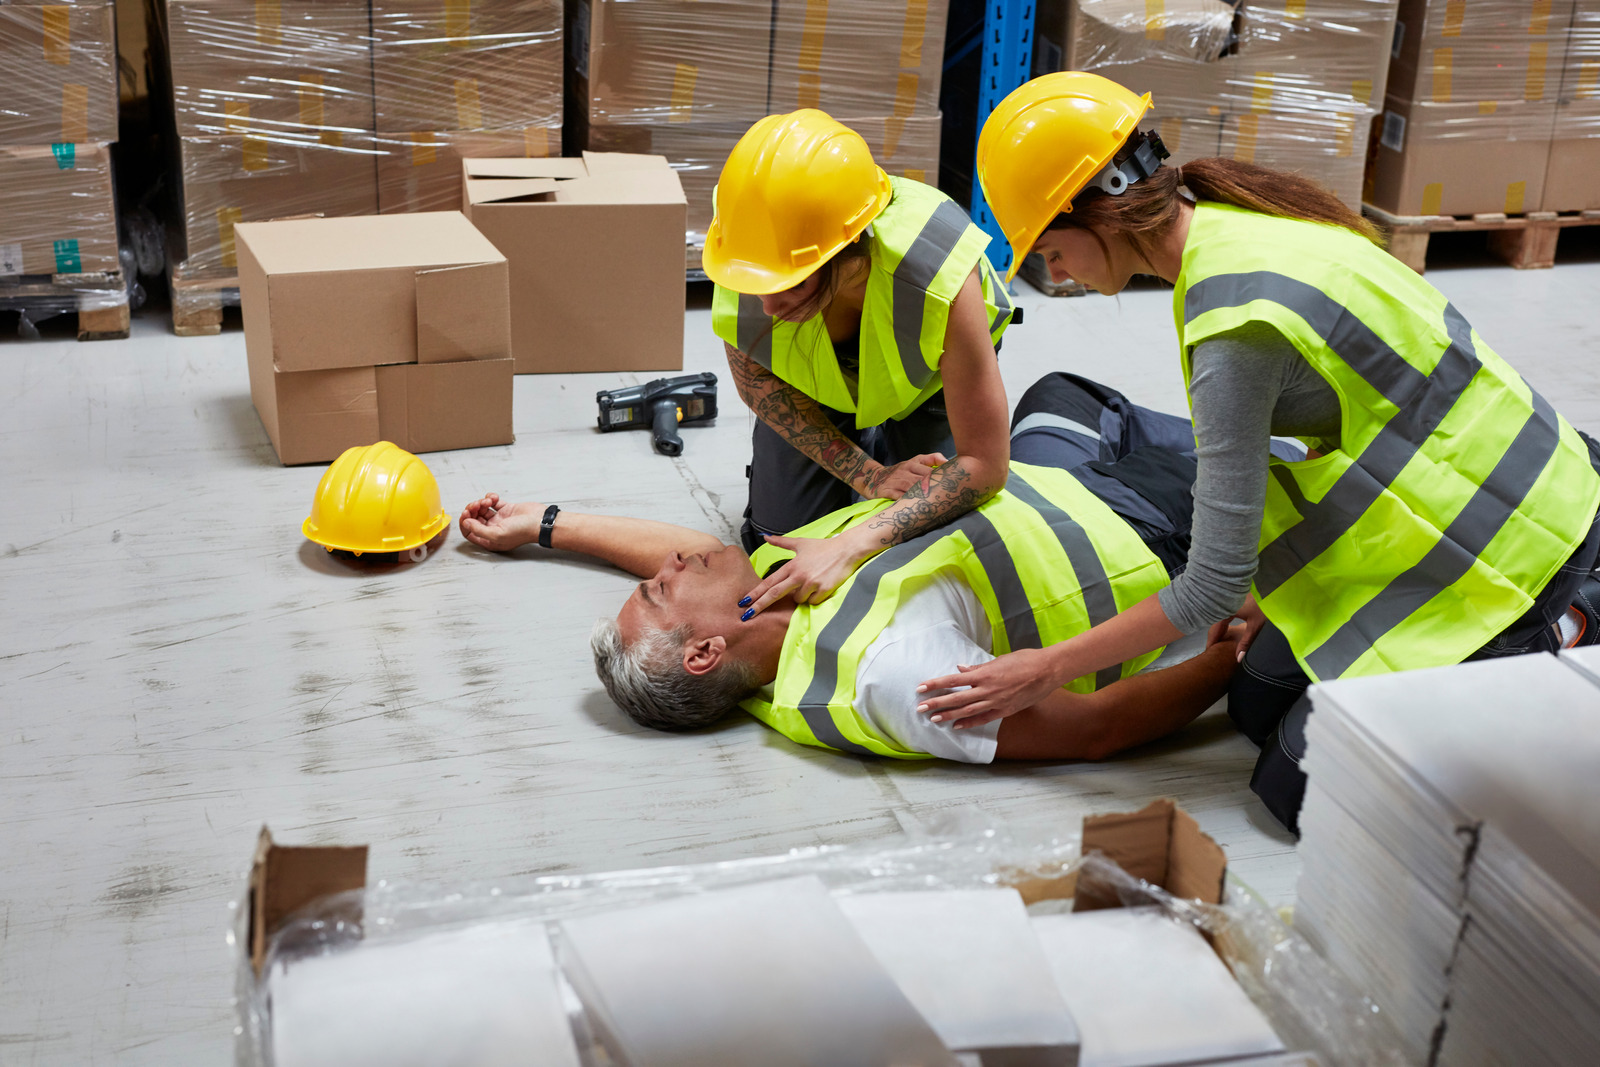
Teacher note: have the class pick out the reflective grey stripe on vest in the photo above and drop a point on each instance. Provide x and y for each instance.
(914, 276)
(1457, 549)
(1099, 601)
(755, 330)
(1002, 300)
(1422, 401)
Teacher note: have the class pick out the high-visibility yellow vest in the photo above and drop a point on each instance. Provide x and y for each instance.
(1046, 558)
(922, 247)
(1454, 492)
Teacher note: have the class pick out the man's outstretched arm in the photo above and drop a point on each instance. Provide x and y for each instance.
(635, 545)
(1130, 712)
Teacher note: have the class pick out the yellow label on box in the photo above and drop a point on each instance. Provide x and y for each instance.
(1515, 193)
(1432, 197)
(893, 130)
(1455, 13)
(1537, 52)
(254, 154)
(1155, 20)
(236, 116)
(1244, 147)
(227, 218)
(916, 29)
(269, 22)
(424, 149)
(1344, 141)
(916, 174)
(1488, 107)
(1443, 61)
(74, 113)
(1588, 80)
(536, 142)
(458, 22)
(1361, 90)
(57, 25)
(1294, 9)
(1261, 92)
(310, 94)
(469, 109)
(809, 91)
(1539, 17)
(812, 34)
(684, 76)
(905, 94)
(1171, 130)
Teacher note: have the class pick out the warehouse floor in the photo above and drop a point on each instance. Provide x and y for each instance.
(181, 666)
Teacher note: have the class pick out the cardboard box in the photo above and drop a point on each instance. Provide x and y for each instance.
(1446, 51)
(561, 222)
(655, 62)
(466, 64)
(422, 171)
(1329, 148)
(228, 180)
(57, 210)
(1461, 159)
(60, 70)
(297, 69)
(858, 57)
(1572, 176)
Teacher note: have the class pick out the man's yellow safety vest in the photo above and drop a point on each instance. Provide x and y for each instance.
(1046, 558)
(922, 247)
(1454, 493)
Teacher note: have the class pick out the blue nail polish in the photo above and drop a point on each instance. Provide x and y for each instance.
(748, 615)
(745, 602)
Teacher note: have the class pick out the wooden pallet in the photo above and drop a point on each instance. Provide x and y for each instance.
(197, 303)
(1524, 241)
(100, 300)
(1036, 274)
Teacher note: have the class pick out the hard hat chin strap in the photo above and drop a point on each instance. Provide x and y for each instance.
(1141, 162)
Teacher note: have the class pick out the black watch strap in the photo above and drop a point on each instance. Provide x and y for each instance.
(547, 524)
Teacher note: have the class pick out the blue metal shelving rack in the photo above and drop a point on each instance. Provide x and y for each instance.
(1007, 57)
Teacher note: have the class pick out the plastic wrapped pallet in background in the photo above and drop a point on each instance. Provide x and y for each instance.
(1471, 106)
(1291, 84)
(686, 78)
(1572, 181)
(58, 117)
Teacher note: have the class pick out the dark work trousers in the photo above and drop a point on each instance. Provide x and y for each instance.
(788, 490)
(1268, 702)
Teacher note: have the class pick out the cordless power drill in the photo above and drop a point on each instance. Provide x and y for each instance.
(662, 405)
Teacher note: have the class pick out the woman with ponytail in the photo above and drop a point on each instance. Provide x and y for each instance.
(1443, 510)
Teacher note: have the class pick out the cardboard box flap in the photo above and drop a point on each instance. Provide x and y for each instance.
(624, 187)
(1161, 844)
(370, 242)
(621, 162)
(513, 190)
(462, 314)
(284, 880)
(433, 407)
(515, 167)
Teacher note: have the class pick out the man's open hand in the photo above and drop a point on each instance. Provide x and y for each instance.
(499, 525)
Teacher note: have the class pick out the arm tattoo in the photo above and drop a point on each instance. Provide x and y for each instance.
(939, 498)
(798, 419)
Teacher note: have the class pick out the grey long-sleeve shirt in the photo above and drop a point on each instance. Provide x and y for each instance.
(1245, 386)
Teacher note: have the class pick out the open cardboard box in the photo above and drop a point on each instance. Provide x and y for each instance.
(586, 239)
(375, 328)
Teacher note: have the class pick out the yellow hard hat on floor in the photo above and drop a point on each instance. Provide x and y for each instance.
(376, 498)
(1045, 143)
(795, 190)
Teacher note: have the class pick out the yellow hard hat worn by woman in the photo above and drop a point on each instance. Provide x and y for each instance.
(1444, 510)
(848, 300)
(377, 498)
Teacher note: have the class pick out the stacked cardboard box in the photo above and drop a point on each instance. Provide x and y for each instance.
(685, 78)
(347, 107)
(1290, 84)
(1572, 180)
(1472, 103)
(58, 115)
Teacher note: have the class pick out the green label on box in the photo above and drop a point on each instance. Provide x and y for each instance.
(66, 155)
(68, 261)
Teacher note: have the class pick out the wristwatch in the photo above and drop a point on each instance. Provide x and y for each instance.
(547, 524)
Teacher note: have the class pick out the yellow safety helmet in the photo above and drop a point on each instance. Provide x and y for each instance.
(795, 190)
(1046, 142)
(377, 498)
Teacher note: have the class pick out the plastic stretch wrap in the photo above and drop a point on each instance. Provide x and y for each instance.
(1570, 184)
(1305, 1000)
(60, 64)
(343, 107)
(1291, 84)
(57, 211)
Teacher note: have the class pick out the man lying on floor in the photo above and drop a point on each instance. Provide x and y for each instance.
(1093, 519)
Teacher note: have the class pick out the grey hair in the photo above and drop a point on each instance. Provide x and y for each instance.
(647, 679)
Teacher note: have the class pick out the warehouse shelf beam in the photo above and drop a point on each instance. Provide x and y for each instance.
(1007, 55)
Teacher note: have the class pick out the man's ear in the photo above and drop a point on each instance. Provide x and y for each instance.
(702, 656)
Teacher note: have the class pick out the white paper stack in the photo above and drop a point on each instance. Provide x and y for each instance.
(968, 960)
(1146, 990)
(483, 996)
(1451, 855)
